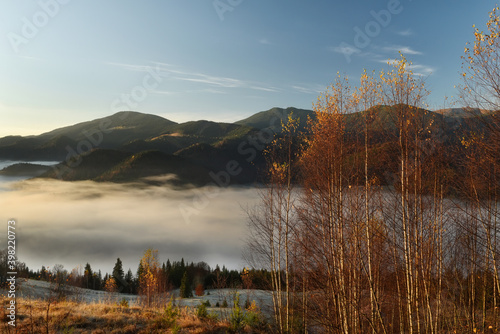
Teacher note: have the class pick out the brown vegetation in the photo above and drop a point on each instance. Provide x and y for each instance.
(349, 252)
(39, 316)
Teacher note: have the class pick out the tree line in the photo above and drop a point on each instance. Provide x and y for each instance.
(151, 279)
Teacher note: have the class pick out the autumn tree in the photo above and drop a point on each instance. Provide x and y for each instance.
(272, 225)
(327, 215)
(481, 189)
(110, 285)
(148, 275)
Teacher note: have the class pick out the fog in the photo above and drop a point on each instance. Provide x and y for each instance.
(72, 223)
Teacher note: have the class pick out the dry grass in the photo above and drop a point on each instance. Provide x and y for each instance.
(40, 316)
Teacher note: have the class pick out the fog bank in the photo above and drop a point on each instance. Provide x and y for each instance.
(73, 223)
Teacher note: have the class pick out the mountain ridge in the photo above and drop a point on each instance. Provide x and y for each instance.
(90, 150)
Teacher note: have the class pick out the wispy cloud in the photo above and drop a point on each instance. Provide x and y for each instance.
(403, 49)
(136, 68)
(164, 92)
(407, 32)
(422, 70)
(417, 69)
(265, 89)
(345, 49)
(173, 72)
(265, 41)
(309, 88)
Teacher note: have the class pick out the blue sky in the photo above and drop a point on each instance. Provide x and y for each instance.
(66, 61)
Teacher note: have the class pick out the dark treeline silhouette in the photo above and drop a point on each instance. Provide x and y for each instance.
(169, 276)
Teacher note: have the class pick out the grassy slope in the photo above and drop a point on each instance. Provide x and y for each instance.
(37, 316)
(43, 307)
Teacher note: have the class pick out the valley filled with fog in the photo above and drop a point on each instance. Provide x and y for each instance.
(72, 223)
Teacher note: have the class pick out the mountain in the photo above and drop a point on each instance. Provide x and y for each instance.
(272, 118)
(463, 112)
(87, 166)
(130, 145)
(117, 129)
(156, 163)
(108, 132)
(105, 165)
(24, 169)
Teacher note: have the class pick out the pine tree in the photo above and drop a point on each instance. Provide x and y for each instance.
(98, 281)
(129, 279)
(185, 289)
(119, 275)
(88, 277)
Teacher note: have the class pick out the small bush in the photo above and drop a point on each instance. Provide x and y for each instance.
(201, 311)
(207, 303)
(199, 291)
(123, 303)
(253, 319)
(247, 303)
(168, 319)
(217, 304)
(237, 318)
(224, 303)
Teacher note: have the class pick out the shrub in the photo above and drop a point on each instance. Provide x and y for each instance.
(199, 291)
(247, 303)
(168, 319)
(201, 311)
(237, 318)
(123, 303)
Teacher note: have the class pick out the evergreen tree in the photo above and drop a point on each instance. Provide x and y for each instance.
(44, 274)
(119, 275)
(129, 278)
(88, 277)
(185, 289)
(98, 281)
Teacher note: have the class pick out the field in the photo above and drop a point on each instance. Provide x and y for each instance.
(46, 308)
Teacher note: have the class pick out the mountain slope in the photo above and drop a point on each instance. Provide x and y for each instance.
(272, 118)
(116, 129)
(108, 132)
(25, 169)
(87, 166)
(117, 166)
(155, 163)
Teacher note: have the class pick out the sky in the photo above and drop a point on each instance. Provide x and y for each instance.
(68, 61)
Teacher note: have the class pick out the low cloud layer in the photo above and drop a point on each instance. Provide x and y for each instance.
(73, 223)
